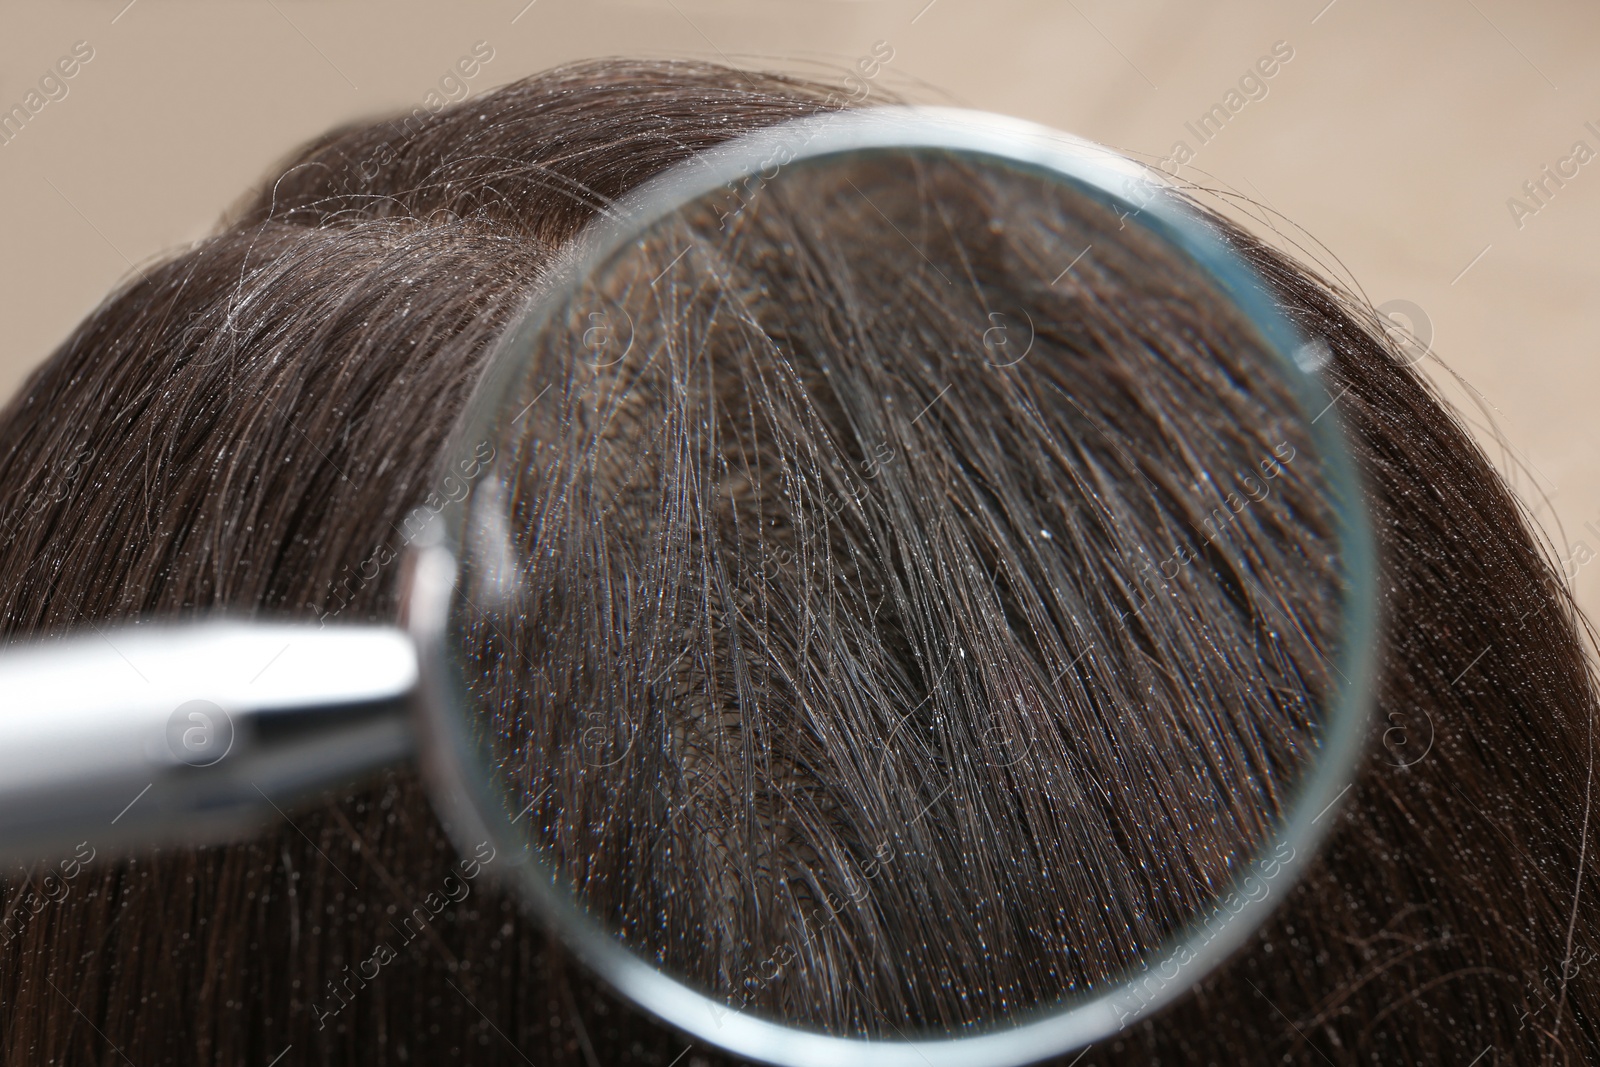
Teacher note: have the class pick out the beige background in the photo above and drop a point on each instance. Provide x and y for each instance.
(1395, 135)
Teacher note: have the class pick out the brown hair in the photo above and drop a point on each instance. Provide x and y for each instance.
(867, 687)
(246, 426)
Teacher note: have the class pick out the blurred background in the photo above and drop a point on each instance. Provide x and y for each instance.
(1441, 156)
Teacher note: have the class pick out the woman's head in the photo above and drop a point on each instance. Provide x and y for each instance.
(867, 601)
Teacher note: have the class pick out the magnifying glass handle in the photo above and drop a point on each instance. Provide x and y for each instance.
(194, 733)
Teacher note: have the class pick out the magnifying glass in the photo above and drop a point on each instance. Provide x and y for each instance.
(679, 651)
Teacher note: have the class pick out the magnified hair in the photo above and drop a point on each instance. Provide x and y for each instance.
(879, 604)
(867, 710)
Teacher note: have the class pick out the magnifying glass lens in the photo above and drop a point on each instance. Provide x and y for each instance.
(910, 594)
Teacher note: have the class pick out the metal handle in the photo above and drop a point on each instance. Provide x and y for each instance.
(190, 733)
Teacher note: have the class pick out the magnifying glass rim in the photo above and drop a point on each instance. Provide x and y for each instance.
(449, 752)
